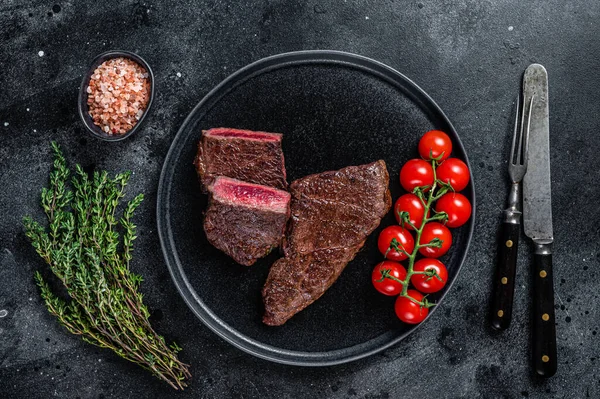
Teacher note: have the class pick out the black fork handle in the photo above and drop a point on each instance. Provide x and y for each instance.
(504, 281)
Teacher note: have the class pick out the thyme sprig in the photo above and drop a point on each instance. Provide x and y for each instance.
(83, 247)
(427, 195)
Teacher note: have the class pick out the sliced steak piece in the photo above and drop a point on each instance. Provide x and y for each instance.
(332, 214)
(255, 157)
(244, 220)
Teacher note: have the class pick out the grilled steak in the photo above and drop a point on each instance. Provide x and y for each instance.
(332, 213)
(244, 220)
(255, 157)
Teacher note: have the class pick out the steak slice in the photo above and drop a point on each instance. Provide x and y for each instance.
(255, 157)
(244, 220)
(332, 214)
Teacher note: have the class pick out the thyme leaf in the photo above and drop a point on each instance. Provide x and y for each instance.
(89, 249)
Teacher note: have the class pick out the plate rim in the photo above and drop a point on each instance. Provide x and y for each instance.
(189, 295)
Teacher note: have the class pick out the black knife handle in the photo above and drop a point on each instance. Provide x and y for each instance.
(544, 328)
(504, 281)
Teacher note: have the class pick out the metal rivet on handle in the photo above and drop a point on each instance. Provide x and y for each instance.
(509, 243)
(545, 359)
(545, 317)
(504, 280)
(500, 313)
(543, 274)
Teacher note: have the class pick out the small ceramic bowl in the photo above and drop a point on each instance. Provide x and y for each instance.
(92, 128)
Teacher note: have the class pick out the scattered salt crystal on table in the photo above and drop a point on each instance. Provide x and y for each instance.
(118, 95)
(41, 53)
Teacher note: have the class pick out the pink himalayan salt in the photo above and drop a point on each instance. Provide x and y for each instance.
(118, 95)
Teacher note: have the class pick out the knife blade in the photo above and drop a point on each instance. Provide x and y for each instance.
(537, 202)
(537, 220)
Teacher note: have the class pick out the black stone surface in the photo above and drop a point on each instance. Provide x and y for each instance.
(468, 55)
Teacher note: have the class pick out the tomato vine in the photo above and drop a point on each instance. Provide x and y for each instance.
(427, 195)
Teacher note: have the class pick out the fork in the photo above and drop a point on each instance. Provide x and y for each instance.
(504, 281)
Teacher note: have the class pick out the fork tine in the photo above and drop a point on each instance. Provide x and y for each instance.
(515, 132)
(519, 160)
(526, 144)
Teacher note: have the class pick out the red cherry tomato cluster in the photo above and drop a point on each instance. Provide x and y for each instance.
(424, 215)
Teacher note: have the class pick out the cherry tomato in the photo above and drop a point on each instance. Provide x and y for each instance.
(386, 285)
(412, 204)
(457, 206)
(415, 173)
(408, 311)
(431, 231)
(403, 239)
(455, 172)
(428, 284)
(435, 143)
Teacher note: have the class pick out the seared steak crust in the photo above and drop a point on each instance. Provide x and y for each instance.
(332, 214)
(255, 157)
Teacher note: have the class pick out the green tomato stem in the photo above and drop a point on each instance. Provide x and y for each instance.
(427, 202)
(385, 273)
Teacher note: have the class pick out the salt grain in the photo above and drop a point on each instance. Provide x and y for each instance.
(6, 123)
(118, 95)
(41, 53)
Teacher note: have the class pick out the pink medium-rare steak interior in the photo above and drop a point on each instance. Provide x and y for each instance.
(245, 221)
(253, 157)
(226, 132)
(236, 192)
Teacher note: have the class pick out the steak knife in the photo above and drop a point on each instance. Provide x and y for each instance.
(537, 221)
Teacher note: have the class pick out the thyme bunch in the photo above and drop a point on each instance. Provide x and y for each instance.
(88, 248)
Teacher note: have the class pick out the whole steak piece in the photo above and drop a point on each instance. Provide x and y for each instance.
(332, 214)
(245, 220)
(255, 157)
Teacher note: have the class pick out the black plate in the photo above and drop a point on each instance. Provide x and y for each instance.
(335, 109)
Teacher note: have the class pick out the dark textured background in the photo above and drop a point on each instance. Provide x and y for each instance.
(467, 54)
